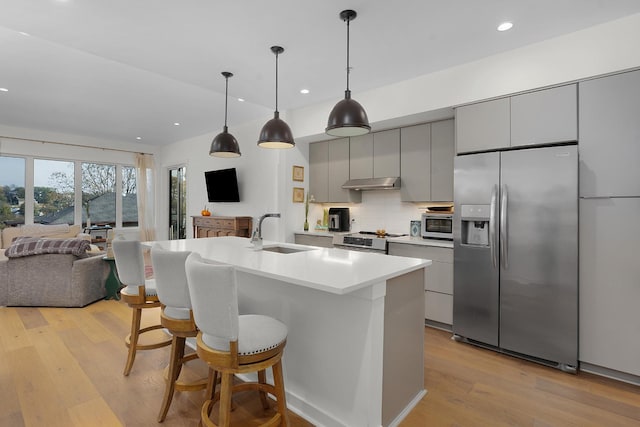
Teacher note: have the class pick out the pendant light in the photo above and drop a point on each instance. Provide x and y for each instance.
(225, 144)
(276, 132)
(348, 118)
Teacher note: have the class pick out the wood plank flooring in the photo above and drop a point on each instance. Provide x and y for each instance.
(63, 367)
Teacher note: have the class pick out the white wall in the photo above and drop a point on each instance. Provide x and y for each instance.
(266, 176)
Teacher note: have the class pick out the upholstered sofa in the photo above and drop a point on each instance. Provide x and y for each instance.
(52, 279)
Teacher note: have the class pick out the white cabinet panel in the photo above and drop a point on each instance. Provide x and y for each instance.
(438, 307)
(610, 136)
(545, 116)
(610, 283)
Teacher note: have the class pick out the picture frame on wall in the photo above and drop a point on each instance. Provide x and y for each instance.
(298, 194)
(298, 173)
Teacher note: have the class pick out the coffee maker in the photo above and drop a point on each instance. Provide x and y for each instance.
(339, 219)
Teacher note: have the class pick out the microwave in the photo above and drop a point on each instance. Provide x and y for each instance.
(437, 226)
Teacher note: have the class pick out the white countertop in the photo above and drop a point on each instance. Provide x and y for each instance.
(420, 241)
(337, 271)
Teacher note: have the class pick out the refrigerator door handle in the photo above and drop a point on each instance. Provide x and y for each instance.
(504, 225)
(493, 243)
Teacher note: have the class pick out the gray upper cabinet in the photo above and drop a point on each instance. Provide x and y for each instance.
(361, 156)
(415, 163)
(328, 170)
(483, 126)
(338, 171)
(442, 154)
(545, 116)
(426, 162)
(610, 136)
(540, 117)
(386, 153)
(319, 171)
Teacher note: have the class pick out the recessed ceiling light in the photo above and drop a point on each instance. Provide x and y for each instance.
(241, 99)
(138, 138)
(176, 124)
(505, 26)
(4, 89)
(304, 91)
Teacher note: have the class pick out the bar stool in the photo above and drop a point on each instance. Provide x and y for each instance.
(139, 294)
(234, 344)
(176, 316)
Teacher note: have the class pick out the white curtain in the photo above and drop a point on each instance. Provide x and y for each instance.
(146, 191)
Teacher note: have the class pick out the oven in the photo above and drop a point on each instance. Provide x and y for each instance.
(437, 226)
(364, 241)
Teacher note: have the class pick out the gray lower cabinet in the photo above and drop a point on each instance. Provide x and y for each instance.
(610, 284)
(314, 240)
(533, 118)
(610, 136)
(426, 162)
(328, 170)
(438, 279)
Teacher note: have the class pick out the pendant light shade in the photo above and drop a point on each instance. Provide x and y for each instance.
(276, 132)
(225, 144)
(348, 118)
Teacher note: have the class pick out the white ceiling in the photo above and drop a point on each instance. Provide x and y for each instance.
(118, 69)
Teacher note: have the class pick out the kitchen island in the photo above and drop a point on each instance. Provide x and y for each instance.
(354, 354)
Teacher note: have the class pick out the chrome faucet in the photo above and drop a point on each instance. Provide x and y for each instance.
(256, 238)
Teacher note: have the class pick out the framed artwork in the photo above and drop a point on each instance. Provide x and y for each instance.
(298, 194)
(298, 173)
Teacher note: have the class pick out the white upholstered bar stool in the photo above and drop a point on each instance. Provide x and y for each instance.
(233, 344)
(176, 316)
(138, 294)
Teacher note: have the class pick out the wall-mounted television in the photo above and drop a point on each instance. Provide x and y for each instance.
(222, 185)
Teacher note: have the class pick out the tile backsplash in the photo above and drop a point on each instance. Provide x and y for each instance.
(379, 209)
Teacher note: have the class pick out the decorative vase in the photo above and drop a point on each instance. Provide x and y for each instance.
(306, 225)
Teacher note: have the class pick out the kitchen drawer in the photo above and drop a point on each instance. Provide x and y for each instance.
(419, 251)
(438, 307)
(439, 277)
(321, 241)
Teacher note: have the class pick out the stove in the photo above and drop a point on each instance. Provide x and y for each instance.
(368, 241)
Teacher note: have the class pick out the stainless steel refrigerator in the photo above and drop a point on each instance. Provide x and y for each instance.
(516, 253)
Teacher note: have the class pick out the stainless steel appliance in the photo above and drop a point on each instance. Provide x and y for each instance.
(515, 233)
(339, 219)
(366, 241)
(437, 226)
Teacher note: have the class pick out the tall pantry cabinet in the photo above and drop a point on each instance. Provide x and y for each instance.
(609, 129)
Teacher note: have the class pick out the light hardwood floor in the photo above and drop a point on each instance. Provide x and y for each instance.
(63, 367)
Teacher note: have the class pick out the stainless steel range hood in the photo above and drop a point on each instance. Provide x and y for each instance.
(387, 183)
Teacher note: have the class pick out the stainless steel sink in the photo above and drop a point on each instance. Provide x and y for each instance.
(284, 249)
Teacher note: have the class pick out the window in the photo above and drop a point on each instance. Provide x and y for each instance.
(53, 192)
(99, 194)
(12, 177)
(129, 197)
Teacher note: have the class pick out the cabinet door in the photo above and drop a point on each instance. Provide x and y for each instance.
(610, 284)
(386, 153)
(319, 171)
(361, 156)
(483, 126)
(442, 154)
(610, 136)
(415, 163)
(545, 116)
(339, 172)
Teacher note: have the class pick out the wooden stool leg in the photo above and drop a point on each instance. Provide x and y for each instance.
(262, 379)
(211, 387)
(278, 381)
(175, 366)
(225, 399)
(132, 339)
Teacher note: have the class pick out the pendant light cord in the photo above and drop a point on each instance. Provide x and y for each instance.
(348, 68)
(276, 82)
(226, 97)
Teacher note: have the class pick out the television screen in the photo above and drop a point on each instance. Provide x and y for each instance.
(222, 185)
